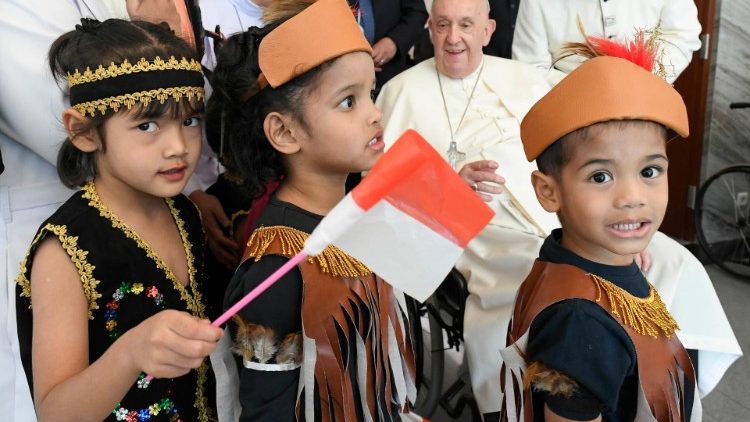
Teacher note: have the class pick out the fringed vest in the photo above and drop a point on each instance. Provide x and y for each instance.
(340, 292)
(664, 368)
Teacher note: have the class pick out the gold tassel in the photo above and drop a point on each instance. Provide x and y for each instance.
(332, 260)
(647, 316)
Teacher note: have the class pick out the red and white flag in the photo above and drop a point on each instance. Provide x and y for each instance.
(409, 220)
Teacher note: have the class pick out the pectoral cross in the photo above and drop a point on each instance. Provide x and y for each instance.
(454, 155)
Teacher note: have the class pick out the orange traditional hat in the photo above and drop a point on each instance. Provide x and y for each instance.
(323, 31)
(601, 89)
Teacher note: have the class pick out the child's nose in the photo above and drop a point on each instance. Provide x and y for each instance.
(177, 145)
(629, 195)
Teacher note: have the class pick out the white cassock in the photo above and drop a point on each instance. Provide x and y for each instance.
(543, 26)
(499, 259)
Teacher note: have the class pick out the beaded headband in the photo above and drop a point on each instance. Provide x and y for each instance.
(125, 84)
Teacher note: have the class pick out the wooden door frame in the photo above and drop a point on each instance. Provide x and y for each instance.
(686, 155)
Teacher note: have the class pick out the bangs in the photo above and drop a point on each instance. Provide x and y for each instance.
(174, 109)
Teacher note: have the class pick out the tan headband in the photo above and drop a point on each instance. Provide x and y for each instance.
(323, 31)
(601, 89)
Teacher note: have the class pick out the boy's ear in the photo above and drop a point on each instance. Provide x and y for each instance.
(547, 191)
(74, 122)
(280, 130)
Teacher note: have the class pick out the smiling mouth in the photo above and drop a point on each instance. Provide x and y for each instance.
(623, 227)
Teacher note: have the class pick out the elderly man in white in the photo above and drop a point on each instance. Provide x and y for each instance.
(544, 26)
(469, 107)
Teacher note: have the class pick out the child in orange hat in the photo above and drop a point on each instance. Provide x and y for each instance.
(590, 338)
(330, 341)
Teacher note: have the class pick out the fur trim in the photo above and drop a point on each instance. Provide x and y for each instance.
(552, 381)
(254, 341)
(290, 350)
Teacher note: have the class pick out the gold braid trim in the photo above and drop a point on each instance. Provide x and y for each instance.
(647, 316)
(126, 68)
(77, 256)
(332, 260)
(194, 302)
(201, 403)
(142, 97)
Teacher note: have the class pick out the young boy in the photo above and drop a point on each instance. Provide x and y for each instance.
(590, 338)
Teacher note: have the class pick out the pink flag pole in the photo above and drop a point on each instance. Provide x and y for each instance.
(262, 287)
(257, 291)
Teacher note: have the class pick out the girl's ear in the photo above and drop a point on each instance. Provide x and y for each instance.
(86, 140)
(547, 191)
(281, 131)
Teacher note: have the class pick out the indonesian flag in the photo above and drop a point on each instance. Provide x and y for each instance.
(408, 220)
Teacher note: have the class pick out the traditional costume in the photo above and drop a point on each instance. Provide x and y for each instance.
(586, 338)
(544, 26)
(122, 277)
(30, 136)
(499, 258)
(330, 341)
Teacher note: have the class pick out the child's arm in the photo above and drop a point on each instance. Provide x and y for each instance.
(66, 386)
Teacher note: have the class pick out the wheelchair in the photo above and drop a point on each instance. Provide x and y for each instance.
(445, 313)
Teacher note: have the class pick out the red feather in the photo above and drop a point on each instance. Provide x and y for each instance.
(637, 51)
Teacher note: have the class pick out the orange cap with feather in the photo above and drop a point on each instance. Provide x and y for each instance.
(601, 89)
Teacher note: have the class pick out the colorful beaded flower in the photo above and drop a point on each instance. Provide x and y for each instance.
(163, 406)
(111, 314)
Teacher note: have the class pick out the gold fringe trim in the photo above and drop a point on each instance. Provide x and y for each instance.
(552, 381)
(143, 97)
(194, 302)
(332, 260)
(647, 316)
(126, 68)
(77, 256)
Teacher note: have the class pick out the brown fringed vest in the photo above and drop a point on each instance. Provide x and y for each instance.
(664, 367)
(339, 293)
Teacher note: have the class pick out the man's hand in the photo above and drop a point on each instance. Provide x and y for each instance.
(382, 52)
(226, 250)
(155, 11)
(481, 176)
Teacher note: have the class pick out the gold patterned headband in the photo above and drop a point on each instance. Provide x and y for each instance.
(125, 84)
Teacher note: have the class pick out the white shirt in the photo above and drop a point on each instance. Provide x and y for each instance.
(543, 26)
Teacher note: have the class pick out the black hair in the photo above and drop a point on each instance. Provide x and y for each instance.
(552, 160)
(237, 108)
(95, 43)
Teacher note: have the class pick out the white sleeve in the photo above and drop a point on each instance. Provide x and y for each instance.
(530, 39)
(680, 33)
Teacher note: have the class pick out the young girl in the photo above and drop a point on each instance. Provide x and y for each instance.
(329, 341)
(109, 290)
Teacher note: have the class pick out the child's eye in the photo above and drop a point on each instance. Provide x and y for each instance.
(600, 177)
(347, 102)
(372, 95)
(651, 172)
(192, 121)
(148, 127)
